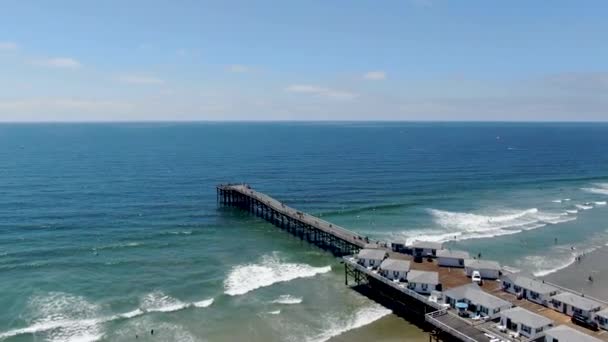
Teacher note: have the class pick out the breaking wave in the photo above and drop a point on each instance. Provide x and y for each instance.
(287, 299)
(68, 318)
(361, 318)
(557, 259)
(598, 188)
(584, 206)
(463, 226)
(246, 278)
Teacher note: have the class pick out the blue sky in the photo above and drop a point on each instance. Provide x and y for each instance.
(303, 60)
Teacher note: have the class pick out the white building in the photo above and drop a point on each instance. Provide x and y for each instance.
(478, 300)
(601, 318)
(394, 269)
(371, 257)
(563, 333)
(570, 303)
(530, 289)
(488, 269)
(524, 322)
(422, 281)
(450, 258)
(425, 248)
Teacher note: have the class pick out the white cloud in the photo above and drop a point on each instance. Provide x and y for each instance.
(238, 68)
(375, 76)
(140, 79)
(8, 46)
(62, 104)
(59, 62)
(320, 91)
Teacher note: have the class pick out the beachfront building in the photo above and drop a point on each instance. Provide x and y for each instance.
(394, 269)
(488, 269)
(601, 318)
(425, 248)
(371, 257)
(422, 281)
(478, 301)
(398, 246)
(527, 288)
(570, 304)
(525, 323)
(451, 258)
(563, 333)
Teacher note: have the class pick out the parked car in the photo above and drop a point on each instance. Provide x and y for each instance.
(476, 278)
(584, 322)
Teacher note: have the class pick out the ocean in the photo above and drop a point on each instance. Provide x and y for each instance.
(108, 231)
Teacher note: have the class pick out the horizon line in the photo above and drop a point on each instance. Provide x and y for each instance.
(295, 121)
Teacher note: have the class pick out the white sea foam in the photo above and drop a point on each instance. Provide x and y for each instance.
(275, 312)
(65, 317)
(203, 303)
(287, 299)
(600, 203)
(584, 207)
(557, 201)
(598, 188)
(573, 211)
(246, 278)
(463, 226)
(558, 258)
(361, 318)
(61, 317)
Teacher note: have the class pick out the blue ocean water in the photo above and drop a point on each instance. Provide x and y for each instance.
(110, 230)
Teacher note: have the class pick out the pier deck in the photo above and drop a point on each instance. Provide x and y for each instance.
(339, 240)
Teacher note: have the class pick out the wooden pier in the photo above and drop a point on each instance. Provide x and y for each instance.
(328, 236)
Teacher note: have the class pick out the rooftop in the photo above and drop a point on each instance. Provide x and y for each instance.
(565, 333)
(425, 277)
(476, 295)
(426, 244)
(395, 265)
(482, 264)
(603, 313)
(521, 315)
(377, 254)
(447, 253)
(577, 301)
(530, 284)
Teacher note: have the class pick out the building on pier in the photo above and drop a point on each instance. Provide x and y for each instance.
(423, 282)
(371, 257)
(527, 288)
(425, 248)
(525, 323)
(451, 258)
(395, 269)
(570, 304)
(478, 301)
(488, 269)
(563, 333)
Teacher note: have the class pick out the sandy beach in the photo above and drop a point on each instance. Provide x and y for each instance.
(576, 276)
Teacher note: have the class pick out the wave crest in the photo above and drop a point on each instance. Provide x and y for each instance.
(287, 299)
(463, 226)
(246, 278)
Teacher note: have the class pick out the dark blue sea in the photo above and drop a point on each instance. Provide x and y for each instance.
(110, 230)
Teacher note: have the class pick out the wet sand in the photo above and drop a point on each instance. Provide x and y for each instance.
(390, 328)
(576, 276)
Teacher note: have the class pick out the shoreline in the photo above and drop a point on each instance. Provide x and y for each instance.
(576, 275)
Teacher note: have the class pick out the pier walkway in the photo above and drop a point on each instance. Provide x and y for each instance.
(326, 235)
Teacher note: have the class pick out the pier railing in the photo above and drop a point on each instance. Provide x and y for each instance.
(424, 299)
